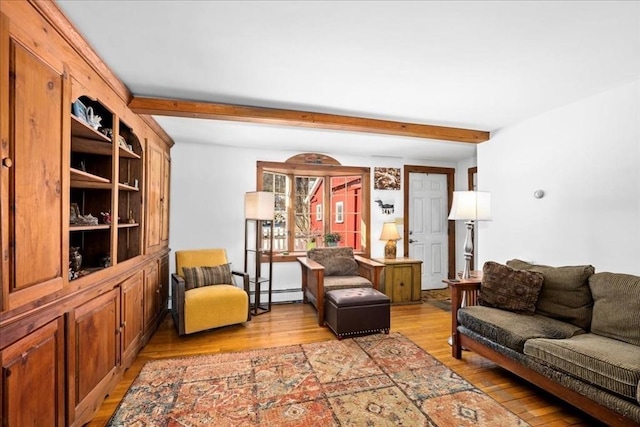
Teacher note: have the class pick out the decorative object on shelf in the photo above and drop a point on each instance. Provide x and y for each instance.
(122, 143)
(470, 206)
(131, 219)
(80, 110)
(386, 178)
(108, 132)
(386, 208)
(390, 234)
(75, 259)
(106, 217)
(86, 220)
(105, 261)
(332, 239)
(93, 119)
(74, 213)
(259, 208)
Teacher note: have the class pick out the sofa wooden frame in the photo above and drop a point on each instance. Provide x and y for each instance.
(313, 280)
(461, 341)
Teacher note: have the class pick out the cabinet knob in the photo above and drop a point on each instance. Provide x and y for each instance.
(7, 162)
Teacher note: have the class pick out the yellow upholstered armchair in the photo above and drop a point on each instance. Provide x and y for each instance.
(204, 294)
(325, 269)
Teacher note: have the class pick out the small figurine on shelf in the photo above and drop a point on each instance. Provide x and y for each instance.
(106, 217)
(131, 219)
(75, 259)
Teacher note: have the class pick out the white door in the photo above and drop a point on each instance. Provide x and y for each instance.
(428, 240)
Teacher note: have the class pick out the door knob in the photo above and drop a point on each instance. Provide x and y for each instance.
(413, 241)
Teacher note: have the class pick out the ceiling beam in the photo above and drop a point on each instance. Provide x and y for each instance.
(274, 116)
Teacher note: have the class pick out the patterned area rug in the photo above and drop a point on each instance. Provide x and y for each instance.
(375, 380)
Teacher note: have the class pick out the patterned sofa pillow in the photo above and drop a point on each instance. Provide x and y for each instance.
(196, 277)
(565, 293)
(509, 289)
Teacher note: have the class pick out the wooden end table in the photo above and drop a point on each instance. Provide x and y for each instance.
(467, 295)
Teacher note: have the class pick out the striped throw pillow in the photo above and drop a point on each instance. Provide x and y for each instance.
(196, 277)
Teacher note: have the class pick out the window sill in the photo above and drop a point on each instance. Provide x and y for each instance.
(293, 256)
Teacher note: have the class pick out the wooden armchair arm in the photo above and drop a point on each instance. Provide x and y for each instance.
(369, 269)
(460, 291)
(245, 286)
(313, 285)
(177, 301)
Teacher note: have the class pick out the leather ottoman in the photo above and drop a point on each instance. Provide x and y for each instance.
(357, 311)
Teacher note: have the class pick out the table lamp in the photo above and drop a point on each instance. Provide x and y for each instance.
(390, 234)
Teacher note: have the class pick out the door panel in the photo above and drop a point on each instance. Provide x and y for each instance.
(31, 181)
(428, 226)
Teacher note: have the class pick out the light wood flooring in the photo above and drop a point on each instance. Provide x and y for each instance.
(426, 324)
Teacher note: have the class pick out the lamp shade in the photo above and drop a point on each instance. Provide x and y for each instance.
(389, 231)
(259, 205)
(471, 206)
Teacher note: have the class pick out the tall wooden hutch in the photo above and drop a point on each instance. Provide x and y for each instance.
(66, 336)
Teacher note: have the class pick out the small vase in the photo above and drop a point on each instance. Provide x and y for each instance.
(75, 259)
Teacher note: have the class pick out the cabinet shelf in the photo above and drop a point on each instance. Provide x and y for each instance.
(89, 227)
(81, 179)
(82, 130)
(127, 225)
(90, 146)
(127, 187)
(123, 152)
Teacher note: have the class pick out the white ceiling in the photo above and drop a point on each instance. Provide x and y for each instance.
(477, 64)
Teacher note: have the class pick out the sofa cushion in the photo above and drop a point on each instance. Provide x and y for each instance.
(336, 261)
(616, 306)
(611, 364)
(509, 289)
(512, 330)
(345, 282)
(196, 277)
(565, 293)
(214, 306)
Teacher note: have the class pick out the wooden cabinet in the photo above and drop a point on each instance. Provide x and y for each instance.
(32, 130)
(132, 291)
(94, 353)
(32, 381)
(402, 279)
(66, 339)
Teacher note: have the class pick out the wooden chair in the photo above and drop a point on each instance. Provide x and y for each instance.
(325, 269)
(202, 305)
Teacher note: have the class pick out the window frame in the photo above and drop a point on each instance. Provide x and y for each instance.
(339, 210)
(326, 172)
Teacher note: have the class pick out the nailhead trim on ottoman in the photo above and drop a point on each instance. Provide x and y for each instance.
(357, 311)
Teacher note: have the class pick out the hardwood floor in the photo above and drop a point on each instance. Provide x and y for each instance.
(426, 324)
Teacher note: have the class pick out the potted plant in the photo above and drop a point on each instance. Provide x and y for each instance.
(332, 239)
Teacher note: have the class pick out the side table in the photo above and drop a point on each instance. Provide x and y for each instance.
(402, 279)
(467, 295)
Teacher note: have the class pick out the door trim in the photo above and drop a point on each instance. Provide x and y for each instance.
(451, 225)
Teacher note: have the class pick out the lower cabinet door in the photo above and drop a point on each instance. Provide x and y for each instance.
(132, 317)
(33, 378)
(94, 354)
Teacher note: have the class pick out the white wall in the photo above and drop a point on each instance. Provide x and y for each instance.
(586, 157)
(208, 183)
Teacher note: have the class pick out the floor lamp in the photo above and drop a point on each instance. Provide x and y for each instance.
(469, 206)
(259, 208)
